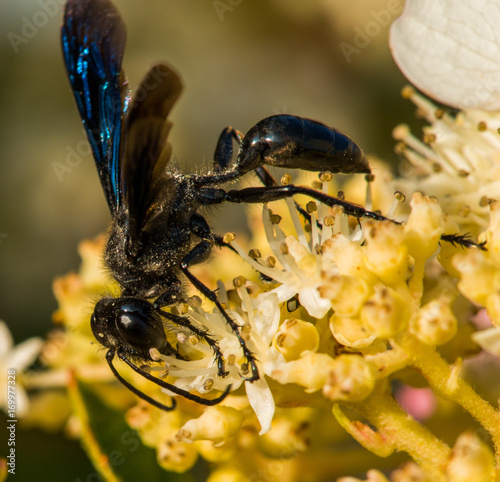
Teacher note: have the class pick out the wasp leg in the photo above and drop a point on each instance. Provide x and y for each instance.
(161, 383)
(172, 295)
(224, 154)
(268, 180)
(224, 148)
(463, 240)
(197, 255)
(274, 193)
(201, 333)
(109, 358)
(200, 228)
(265, 177)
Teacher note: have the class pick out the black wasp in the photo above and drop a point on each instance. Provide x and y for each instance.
(157, 231)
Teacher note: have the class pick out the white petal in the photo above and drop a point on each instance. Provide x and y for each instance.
(262, 401)
(451, 50)
(267, 316)
(285, 292)
(315, 305)
(272, 360)
(6, 341)
(24, 353)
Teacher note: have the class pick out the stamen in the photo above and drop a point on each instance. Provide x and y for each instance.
(301, 235)
(368, 194)
(265, 270)
(403, 133)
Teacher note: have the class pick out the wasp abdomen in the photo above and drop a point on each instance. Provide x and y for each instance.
(298, 143)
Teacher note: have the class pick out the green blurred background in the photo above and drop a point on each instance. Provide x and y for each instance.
(240, 60)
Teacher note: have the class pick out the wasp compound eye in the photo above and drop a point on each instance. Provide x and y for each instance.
(137, 326)
(140, 326)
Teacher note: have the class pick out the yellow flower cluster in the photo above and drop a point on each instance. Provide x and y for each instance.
(371, 302)
(343, 318)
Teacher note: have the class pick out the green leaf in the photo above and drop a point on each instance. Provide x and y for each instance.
(114, 448)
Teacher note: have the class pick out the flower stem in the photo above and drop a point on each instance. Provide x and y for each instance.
(446, 380)
(400, 431)
(89, 441)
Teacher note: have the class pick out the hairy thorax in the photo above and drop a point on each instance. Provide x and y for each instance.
(163, 242)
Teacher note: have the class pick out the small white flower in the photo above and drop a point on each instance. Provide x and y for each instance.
(450, 50)
(301, 269)
(200, 372)
(459, 163)
(18, 359)
(298, 267)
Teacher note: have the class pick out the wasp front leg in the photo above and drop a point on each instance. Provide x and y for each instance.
(197, 255)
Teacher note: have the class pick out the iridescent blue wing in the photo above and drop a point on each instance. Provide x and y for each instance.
(146, 190)
(93, 40)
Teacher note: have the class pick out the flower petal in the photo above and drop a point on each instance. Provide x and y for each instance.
(450, 50)
(315, 305)
(25, 353)
(262, 401)
(6, 341)
(267, 316)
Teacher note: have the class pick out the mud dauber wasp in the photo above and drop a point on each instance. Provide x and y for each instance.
(157, 232)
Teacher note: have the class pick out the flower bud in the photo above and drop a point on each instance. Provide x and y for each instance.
(436, 324)
(294, 337)
(216, 453)
(217, 424)
(471, 459)
(448, 250)
(492, 234)
(386, 254)
(227, 474)
(424, 226)
(351, 378)
(347, 293)
(140, 416)
(346, 254)
(92, 273)
(488, 340)
(174, 455)
(493, 307)
(410, 472)
(350, 332)
(477, 275)
(309, 371)
(386, 313)
(69, 292)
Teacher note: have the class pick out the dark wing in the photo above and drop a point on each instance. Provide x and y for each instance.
(146, 149)
(93, 40)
